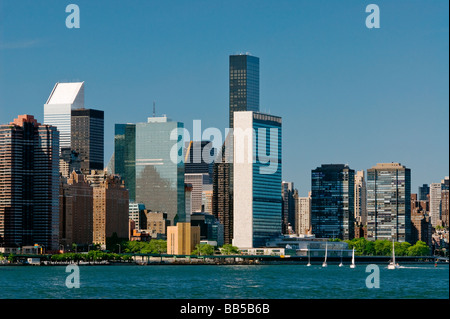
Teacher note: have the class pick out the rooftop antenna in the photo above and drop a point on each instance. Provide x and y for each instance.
(154, 109)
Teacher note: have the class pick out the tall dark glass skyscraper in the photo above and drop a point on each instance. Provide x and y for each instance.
(424, 191)
(244, 84)
(332, 201)
(125, 156)
(87, 138)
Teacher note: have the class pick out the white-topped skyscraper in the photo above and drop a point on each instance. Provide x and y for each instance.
(64, 98)
(81, 130)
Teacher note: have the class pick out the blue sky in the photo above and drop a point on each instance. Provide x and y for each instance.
(346, 93)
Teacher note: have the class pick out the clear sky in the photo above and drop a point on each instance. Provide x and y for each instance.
(347, 94)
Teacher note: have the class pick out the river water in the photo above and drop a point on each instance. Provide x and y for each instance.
(421, 281)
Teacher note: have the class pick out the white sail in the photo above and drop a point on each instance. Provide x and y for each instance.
(309, 258)
(392, 264)
(326, 253)
(393, 252)
(353, 258)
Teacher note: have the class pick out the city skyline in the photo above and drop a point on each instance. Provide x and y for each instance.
(311, 72)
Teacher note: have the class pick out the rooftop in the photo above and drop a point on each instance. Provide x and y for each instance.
(67, 93)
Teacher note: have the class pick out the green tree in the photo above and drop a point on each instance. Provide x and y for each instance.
(419, 249)
(369, 248)
(203, 249)
(158, 246)
(401, 249)
(229, 249)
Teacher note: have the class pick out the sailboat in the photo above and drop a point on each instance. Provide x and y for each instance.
(341, 264)
(392, 264)
(309, 258)
(353, 259)
(326, 250)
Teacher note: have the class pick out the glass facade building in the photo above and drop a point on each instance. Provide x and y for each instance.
(332, 201)
(244, 84)
(424, 191)
(257, 200)
(389, 202)
(87, 138)
(151, 164)
(125, 156)
(243, 96)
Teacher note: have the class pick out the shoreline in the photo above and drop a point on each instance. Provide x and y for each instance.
(250, 261)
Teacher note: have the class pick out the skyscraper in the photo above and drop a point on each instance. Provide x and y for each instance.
(125, 156)
(243, 96)
(332, 201)
(87, 138)
(257, 202)
(435, 203)
(439, 211)
(222, 198)
(303, 212)
(424, 191)
(360, 198)
(64, 98)
(389, 202)
(199, 161)
(81, 130)
(29, 184)
(151, 164)
(445, 201)
(288, 207)
(244, 84)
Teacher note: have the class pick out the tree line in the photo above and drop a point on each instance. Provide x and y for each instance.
(384, 248)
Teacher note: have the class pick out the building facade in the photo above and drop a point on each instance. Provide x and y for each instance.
(257, 201)
(87, 138)
(149, 158)
(243, 96)
(110, 210)
(420, 221)
(288, 207)
(303, 220)
(76, 211)
(435, 203)
(360, 198)
(136, 212)
(182, 238)
(243, 84)
(424, 191)
(332, 201)
(29, 184)
(389, 202)
(64, 98)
